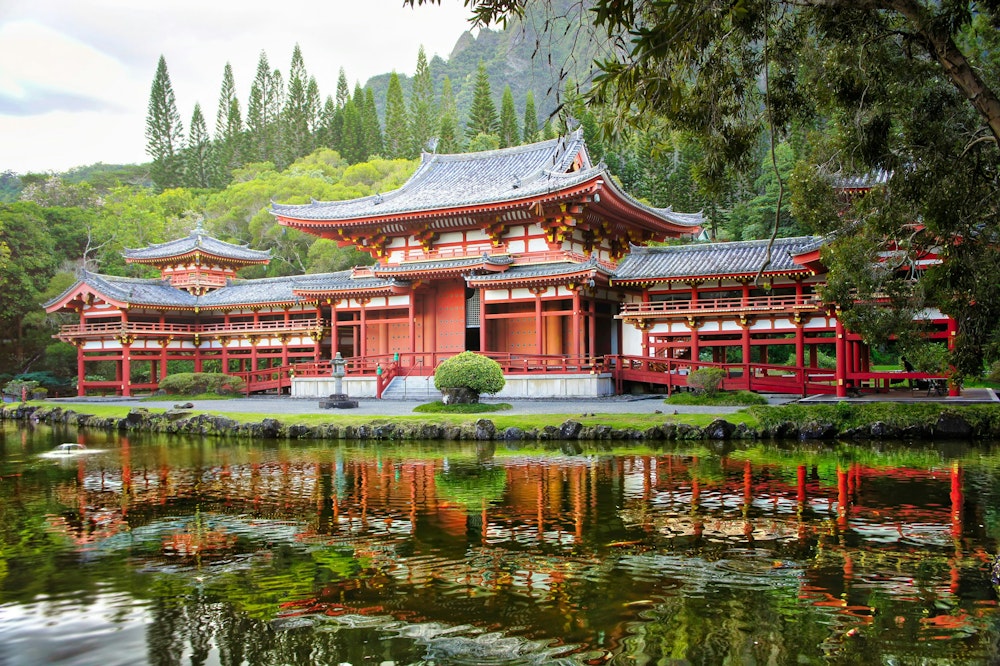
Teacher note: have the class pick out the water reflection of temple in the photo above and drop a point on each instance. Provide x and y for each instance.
(532, 505)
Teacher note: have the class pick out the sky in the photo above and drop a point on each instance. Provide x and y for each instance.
(75, 74)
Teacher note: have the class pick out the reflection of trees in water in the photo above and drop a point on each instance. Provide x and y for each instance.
(184, 628)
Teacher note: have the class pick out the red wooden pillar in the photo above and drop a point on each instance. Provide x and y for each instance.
(953, 388)
(539, 333)
(81, 373)
(334, 334)
(413, 324)
(483, 337)
(364, 327)
(126, 367)
(693, 324)
(800, 351)
(592, 329)
(576, 349)
(841, 353)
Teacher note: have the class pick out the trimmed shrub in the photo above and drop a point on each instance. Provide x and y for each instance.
(470, 371)
(197, 383)
(706, 380)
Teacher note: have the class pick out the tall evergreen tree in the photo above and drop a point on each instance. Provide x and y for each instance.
(352, 144)
(510, 134)
(370, 125)
(530, 134)
(483, 114)
(314, 104)
(422, 116)
(343, 91)
(263, 112)
(228, 149)
(199, 156)
(324, 131)
(396, 140)
(448, 139)
(296, 116)
(164, 131)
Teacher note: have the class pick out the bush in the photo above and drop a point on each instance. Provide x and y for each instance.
(196, 383)
(471, 371)
(706, 380)
(16, 388)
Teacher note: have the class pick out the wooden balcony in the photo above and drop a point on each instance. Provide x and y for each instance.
(137, 329)
(721, 306)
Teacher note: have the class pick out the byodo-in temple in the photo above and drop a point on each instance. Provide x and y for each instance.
(531, 255)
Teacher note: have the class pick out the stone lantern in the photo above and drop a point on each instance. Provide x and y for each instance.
(338, 399)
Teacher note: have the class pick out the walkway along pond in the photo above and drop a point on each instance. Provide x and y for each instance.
(178, 549)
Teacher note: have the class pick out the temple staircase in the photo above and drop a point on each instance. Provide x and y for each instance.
(415, 387)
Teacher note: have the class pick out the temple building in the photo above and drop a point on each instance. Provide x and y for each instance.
(532, 255)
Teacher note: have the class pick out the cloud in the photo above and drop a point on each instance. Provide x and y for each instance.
(52, 71)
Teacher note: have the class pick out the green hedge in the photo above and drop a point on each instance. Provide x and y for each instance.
(472, 371)
(197, 383)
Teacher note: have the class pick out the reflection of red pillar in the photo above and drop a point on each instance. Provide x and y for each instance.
(841, 354)
(747, 483)
(801, 486)
(956, 500)
(842, 495)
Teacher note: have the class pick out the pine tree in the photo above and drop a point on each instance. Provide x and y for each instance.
(509, 131)
(448, 140)
(228, 149)
(396, 140)
(370, 125)
(296, 116)
(352, 145)
(164, 131)
(343, 92)
(314, 105)
(483, 114)
(264, 113)
(422, 120)
(198, 155)
(324, 131)
(530, 134)
(548, 131)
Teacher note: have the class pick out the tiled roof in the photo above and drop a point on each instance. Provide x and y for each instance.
(538, 271)
(709, 259)
(159, 293)
(491, 177)
(197, 240)
(444, 264)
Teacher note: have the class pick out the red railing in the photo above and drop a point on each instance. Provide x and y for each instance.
(736, 304)
(157, 329)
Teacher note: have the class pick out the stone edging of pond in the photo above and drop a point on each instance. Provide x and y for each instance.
(950, 425)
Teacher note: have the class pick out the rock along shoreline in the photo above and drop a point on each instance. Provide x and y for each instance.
(950, 425)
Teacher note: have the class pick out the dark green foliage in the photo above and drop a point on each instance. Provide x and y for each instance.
(370, 127)
(396, 140)
(706, 380)
(264, 113)
(469, 370)
(719, 398)
(509, 132)
(10, 186)
(196, 383)
(164, 131)
(297, 117)
(423, 114)
(199, 158)
(448, 137)
(483, 117)
(530, 130)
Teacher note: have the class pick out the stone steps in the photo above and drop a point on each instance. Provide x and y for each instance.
(411, 388)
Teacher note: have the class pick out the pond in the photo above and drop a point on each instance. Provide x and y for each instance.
(172, 550)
